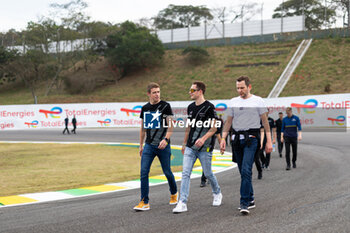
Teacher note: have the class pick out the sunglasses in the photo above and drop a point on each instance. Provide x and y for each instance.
(193, 90)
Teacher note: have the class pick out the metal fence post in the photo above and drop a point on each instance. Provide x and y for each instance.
(303, 14)
(242, 21)
(282, 17)
(262, 21)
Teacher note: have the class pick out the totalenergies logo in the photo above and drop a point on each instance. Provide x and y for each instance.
(32, 124)
(309, 104)
(340, 120)
(106, 122)
(220, 107)
(135, 111)
(53, 112)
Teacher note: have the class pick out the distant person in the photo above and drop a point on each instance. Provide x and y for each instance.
(218, 136)
(245, 114)
(278, 124)
(157, 144)
(66, 121)
(291, 134)
(74, 122)
(266, 158)
(198, 144)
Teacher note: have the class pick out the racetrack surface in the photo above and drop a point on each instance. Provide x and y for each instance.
(314, 197)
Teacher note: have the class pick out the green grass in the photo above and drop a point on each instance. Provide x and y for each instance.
(28, 168)
(325, 63)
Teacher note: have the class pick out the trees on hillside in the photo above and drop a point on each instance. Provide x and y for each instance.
(133, 47)
(179, 16)
(316, 15)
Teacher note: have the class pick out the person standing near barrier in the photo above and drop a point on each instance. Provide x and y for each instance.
(154, 114)
(278, 124)
(74, 122)
(66, 121)
(266, 158)
(290, 135)
(199, 143)
(245, 114)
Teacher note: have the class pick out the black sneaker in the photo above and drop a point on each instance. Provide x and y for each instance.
(250, 206)
(294, 165)
(203, 184)
(280, 155)
(259, 175)
(244, 210)
(288, 167)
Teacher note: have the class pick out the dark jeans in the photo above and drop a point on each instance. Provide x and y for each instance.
(245, 158)
(257, 162)
(148, 155)
(256, 159)
(294, 142)
(265, 160)
(66, 129)
(280, 144)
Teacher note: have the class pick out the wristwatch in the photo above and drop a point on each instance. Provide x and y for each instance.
(167, 140)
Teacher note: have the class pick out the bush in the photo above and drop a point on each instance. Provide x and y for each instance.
(196, 55)
(133, 48)
(79, 84)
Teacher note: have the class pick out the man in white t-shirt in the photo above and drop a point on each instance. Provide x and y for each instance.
(245, 114)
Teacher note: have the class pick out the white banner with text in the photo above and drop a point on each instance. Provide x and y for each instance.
(327, 111)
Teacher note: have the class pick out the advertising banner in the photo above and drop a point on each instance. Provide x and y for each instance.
(318, 111)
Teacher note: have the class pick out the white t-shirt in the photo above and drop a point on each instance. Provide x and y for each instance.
(246, 112)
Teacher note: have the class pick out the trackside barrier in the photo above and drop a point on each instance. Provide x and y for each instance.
(331, 111)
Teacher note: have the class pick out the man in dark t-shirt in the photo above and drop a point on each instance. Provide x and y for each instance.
(278, 124)
(265, 160)
(74, 122)
(156, 114)
(66, 122)
(198, 143)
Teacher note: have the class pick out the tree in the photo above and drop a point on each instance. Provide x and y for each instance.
(6, 56)
(30, 67)
(179, 16)
(133, 47)
(314, 12)
(344, 5)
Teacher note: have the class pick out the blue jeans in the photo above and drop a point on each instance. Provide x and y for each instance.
(148, 155)
(190, 157)
(245, 159)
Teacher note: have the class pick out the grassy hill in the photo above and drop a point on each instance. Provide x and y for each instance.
(325, 63)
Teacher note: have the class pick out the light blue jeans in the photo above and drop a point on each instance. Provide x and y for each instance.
(189, 159)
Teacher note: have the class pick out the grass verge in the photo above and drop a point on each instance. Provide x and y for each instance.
(29, 168)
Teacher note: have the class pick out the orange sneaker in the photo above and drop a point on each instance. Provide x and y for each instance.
(142, 206)
(174, 198)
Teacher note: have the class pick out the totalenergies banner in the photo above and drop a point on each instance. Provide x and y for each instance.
(330, 111)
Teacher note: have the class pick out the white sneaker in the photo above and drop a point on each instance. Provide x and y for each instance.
(217, 199)
(180, 207)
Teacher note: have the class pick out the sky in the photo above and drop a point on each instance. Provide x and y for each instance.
(16, 14)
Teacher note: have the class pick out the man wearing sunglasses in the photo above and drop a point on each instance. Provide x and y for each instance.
(198, 143)
(155, 113)
(245, 114)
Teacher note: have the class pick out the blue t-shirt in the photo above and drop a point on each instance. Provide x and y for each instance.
(290, 126)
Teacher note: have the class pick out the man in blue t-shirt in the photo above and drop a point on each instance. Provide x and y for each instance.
(290, 135)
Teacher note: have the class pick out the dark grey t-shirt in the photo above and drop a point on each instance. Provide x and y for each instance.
(154, 136)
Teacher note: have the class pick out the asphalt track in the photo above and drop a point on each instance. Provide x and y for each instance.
(314, 197)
